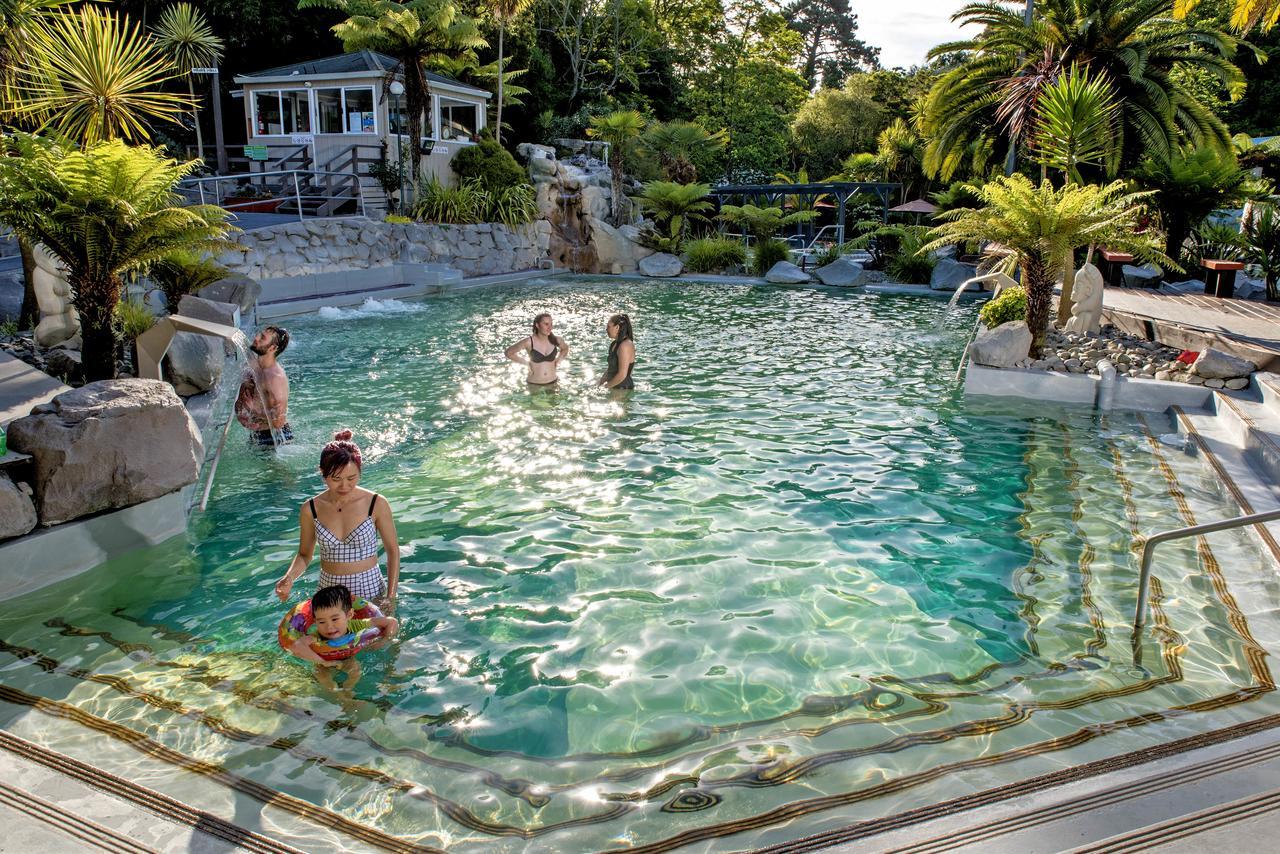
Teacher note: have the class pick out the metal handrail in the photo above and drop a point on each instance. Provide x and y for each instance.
(1149, 547)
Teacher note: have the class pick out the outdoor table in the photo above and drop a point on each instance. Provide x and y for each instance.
(1113, 266)
(1220, 277)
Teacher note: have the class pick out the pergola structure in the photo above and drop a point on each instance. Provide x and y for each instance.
(841, 192)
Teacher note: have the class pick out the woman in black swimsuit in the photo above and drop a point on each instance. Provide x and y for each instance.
(542, 350)
(622, 354)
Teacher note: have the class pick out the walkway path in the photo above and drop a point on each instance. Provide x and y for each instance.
(1193, 322)
(22, 387)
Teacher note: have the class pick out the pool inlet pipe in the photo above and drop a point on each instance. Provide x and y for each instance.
(1106, 400)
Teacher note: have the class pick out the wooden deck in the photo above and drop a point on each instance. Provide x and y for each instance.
(1194, 322)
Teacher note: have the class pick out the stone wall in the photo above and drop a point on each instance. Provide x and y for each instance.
(334, 245)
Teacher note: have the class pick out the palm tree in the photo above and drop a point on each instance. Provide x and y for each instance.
(415, 33)
(676, 206)
(863, 166)
(105, 212)
(1134, 43)
(1075, 119)
(620, 130)
(18, 21)
(1036, 228)
(900, 152)
(1190, 185)
(678, 144)
(1247, 14)
(94, 76)
(505, 11)
(185, 37)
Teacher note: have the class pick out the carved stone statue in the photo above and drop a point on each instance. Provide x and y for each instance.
(59, 320)
(1086, 305)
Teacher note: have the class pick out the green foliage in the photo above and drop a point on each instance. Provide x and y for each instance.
(132, 318)
(885, 241)
(620, 129)
(1190, 185)
(1131, 42)
(470, 203)
(910, 264)
(105, 212)
(1216, 241)
(490, 165)
(767, 253)
(1075, 124)
(680, 146)
(389, 174)
(1037, 228)
(94, 75)
(460, 205)
(833, 123)
(958, 194)
(397, 219)
(511, 206)
(1262, 246)
(1011, 305)
(828, 255)
(8, 328)
(762, 223)
(675, 207)
(184, 272)
(714, 255)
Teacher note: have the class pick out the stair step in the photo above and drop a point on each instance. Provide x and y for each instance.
(1257, 428)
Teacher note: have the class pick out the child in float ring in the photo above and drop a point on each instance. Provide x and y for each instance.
(330, 629)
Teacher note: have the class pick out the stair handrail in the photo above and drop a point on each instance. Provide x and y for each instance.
(1150, 543)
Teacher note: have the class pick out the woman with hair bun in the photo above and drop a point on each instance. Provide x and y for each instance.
(622, 354)
(347, 521)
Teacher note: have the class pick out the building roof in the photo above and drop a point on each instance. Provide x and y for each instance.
(360, 62)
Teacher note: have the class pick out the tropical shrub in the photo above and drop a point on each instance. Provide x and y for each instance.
(1010, 305)
(184, 272)
(767, 253)
(762, 223)
(511, 206)
(888, 242)
(681, 147)
(1262, 246)
(132, 318)
(488, 164)
(459, 205)
(910, 264)
(675, 207)
(397, 219)
(714, 254)
(1038, 228)
(105, 212)
(1215, 240)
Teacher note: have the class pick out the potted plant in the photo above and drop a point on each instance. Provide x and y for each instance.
(248, 198)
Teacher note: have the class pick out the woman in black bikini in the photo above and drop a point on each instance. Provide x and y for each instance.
(543, 352)
(622, 354)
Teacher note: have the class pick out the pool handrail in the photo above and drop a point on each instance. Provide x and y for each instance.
(1150, 543)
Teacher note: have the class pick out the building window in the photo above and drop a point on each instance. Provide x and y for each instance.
(279, 112)
(345, 110)
(458, 120)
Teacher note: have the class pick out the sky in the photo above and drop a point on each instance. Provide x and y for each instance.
(904, 30)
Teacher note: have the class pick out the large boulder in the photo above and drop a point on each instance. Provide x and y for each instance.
(949, 274)
(1215, 364)
(617, 249)
(107, 445)
(1141, 277)
(194, 362)
(661, 266)
(240, 290)
(842, 273)
(786, 273)
(65, 363)
(17, 512)
(1002, 347)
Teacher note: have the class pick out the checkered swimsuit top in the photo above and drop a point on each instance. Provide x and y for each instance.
(360, 544)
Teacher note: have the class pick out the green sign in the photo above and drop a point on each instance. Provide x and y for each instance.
(255, 152)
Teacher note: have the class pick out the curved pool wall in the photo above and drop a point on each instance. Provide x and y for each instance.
(794, 581)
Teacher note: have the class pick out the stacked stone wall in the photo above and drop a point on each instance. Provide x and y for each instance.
(334, 245)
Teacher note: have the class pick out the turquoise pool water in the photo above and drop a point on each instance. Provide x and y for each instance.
(793, 580)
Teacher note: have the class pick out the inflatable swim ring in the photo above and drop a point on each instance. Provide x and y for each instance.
(298, 622)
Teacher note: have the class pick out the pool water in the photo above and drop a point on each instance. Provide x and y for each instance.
(794, 580)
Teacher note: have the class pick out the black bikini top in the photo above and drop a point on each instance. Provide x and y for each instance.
(535, 356)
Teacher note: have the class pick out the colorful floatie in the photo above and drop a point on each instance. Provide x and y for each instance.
(298, 622)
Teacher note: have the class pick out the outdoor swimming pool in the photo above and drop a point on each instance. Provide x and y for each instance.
(791, 582)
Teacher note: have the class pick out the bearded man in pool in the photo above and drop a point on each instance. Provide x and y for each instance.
(265, 384)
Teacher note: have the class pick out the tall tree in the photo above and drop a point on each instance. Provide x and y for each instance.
(831, 43)
(1135, 43)
(505, 12)
(412, 32)
(184, 35)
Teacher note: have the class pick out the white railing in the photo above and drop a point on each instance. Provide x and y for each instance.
(277, 188)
